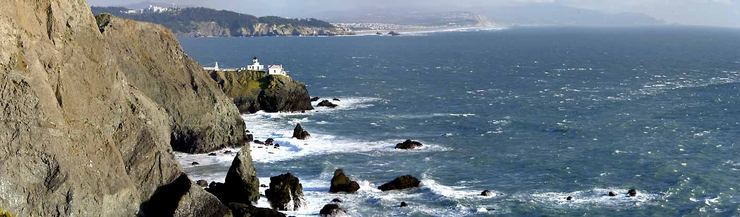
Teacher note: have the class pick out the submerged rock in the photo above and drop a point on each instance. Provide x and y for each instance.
(612, 194)
(300, 133)
(327, 103)
(341, 183)
(269, 141)
(248, 210)
(285, 193)
(336, 200)
(332, 210)
(400, 183)
(409, 144)
(403, 204)
(314, 99)
(335, 99)
(569, 198)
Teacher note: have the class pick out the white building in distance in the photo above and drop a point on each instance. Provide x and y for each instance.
(276, 70)
(255, 65)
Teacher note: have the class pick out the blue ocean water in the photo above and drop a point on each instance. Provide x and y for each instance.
(533, 114)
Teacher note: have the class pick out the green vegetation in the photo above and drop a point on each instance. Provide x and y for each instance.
(4, 213)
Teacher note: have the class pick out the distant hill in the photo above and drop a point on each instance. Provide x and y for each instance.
(554, 14)
(411, 18)
(205, 22)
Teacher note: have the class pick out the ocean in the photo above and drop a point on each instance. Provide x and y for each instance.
(534, 114)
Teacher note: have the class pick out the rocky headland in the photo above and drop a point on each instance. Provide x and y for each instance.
(254, 91)
(92, 110)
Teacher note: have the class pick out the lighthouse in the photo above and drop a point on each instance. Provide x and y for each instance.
(255, 65)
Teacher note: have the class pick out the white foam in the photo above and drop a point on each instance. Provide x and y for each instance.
(596, 197)
(454, 192)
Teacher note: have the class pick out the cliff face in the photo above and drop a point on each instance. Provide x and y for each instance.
(153, 61)
(255, 91)
(78, 136)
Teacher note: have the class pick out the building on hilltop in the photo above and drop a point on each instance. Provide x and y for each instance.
(214, 68)
(276, 70)
(255, 65)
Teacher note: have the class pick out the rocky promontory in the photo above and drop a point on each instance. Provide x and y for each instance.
(90, 118)
(253, 91)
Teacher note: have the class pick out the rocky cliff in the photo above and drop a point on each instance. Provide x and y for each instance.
(151, 59)
(81, 134)
(255, 91)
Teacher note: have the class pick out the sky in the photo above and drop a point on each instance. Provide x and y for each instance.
(690, 12)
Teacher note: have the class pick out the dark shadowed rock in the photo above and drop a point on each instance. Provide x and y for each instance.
(612, 194)
(402, 182)
(285, 192)
(195, 163)
(248, 210)
(409, 144)
(632, 192)
(269, 141)
(212, 154)
(569, 198)
(314, 99)
(182, 198)
(486, 193)
(259, 142)
(335, 99)
(332, 210)
(327, 103)
(403, 204)
(241, 181)
(341, 183)
(300, 133)
(336, 200)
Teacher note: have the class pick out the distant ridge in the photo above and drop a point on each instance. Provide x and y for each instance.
(206, 22)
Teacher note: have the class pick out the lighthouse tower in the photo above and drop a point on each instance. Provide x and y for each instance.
(255, 65)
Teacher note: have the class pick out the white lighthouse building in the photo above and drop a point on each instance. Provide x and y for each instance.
(276, 70)
(255, 65)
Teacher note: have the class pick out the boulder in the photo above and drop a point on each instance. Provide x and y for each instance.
(314, 99)
(248, 210)
(182, 198)
(409, 144)
(486, 193)
(285, 193)
(335, 99)
(300, 133)
(332, 210)
(327, 103)
(195, 163)
(242, 185)
(341, 183)
(259, 142)
(400, 183)
(269, 141)
(612, 194)
(403, 204)
(569, 198)
(336, 200)
(632, 192)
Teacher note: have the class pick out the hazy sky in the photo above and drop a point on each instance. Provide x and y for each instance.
(695, 12)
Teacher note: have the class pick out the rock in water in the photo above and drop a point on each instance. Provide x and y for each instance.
(341, 183)
(408, 144)
(248, 210)
(486, 193)
(400, 183)
(327, 103)
(285, 192)
(332, 210)
(202, 183)
(300, 133)
(612, 194)
(182, 198)
(314, 99)
(632, 192)
(242, 185)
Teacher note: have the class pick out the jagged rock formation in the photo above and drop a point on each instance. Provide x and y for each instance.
(341, 183)
(78, 137)
(300, 133)
(241, 184)
(285, 192)
(202, 116)
(254, 91)
(205, 22)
